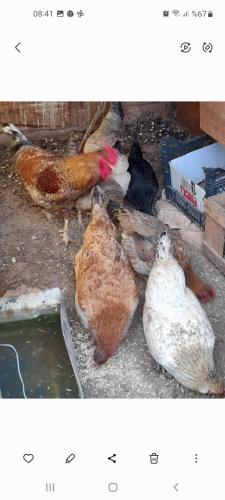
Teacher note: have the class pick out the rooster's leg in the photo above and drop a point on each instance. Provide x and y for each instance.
(65, 234)
(48, 215)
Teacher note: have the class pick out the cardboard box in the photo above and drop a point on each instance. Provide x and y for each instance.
(187, 172)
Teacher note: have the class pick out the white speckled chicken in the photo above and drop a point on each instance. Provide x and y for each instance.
(177, 330)
(106, 293)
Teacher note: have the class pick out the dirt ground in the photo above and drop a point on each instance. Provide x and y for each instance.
(30, 254)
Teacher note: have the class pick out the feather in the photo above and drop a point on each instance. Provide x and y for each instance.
(140, 235)
(143, 188)
(177, 330)
(48, 181)
(105, 287)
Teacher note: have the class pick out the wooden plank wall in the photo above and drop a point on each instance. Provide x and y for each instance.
(54, 115)
(204, 117)
(188, 115)
(212, 119)
(50, 115)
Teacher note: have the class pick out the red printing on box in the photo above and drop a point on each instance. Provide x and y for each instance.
(189, 196)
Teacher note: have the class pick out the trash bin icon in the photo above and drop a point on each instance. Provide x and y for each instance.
(154, 458)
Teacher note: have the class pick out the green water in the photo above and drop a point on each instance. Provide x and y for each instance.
(44, 362)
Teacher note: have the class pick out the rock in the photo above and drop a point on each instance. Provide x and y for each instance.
(171, 215)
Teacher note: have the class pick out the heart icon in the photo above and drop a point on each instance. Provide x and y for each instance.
(28, 457)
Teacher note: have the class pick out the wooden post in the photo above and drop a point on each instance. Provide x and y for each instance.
(214, 237)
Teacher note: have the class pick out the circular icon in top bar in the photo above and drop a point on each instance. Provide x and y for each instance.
(207, 47)
(185, 47)
(70, 13)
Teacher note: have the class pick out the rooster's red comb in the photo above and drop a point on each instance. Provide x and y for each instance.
(111, 155)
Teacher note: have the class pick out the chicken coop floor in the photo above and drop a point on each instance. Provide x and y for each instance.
(30, 255)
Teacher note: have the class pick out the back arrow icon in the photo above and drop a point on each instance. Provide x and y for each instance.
(176, 487)
(16, 47)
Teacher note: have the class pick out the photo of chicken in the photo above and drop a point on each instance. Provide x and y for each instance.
(117, 175)
(109, 130)
(140, 234)
(144, 187)
(112, 192)
(115, 187)
(178, 332)
(58, 180)
(106, 294)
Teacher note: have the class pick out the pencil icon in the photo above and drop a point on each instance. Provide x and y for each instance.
(70, 458)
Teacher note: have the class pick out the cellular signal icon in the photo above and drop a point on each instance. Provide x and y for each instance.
(176, 13)
(186, 14)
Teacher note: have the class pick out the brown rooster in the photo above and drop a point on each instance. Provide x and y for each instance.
(56, 180)
(106, 294)
(140, 236)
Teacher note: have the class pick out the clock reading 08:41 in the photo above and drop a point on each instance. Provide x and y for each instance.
(42, 13)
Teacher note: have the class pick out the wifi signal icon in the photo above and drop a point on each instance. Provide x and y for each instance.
(176, 13)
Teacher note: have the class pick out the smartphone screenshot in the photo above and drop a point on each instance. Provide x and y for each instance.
(112, 250)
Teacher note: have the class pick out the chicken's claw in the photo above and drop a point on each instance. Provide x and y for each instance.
(206, 294)
(65, 234)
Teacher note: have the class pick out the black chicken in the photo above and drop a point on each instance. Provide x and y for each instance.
(144, 186)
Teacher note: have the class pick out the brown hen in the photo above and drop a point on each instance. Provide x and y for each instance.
(106, 294)
(140, 236)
